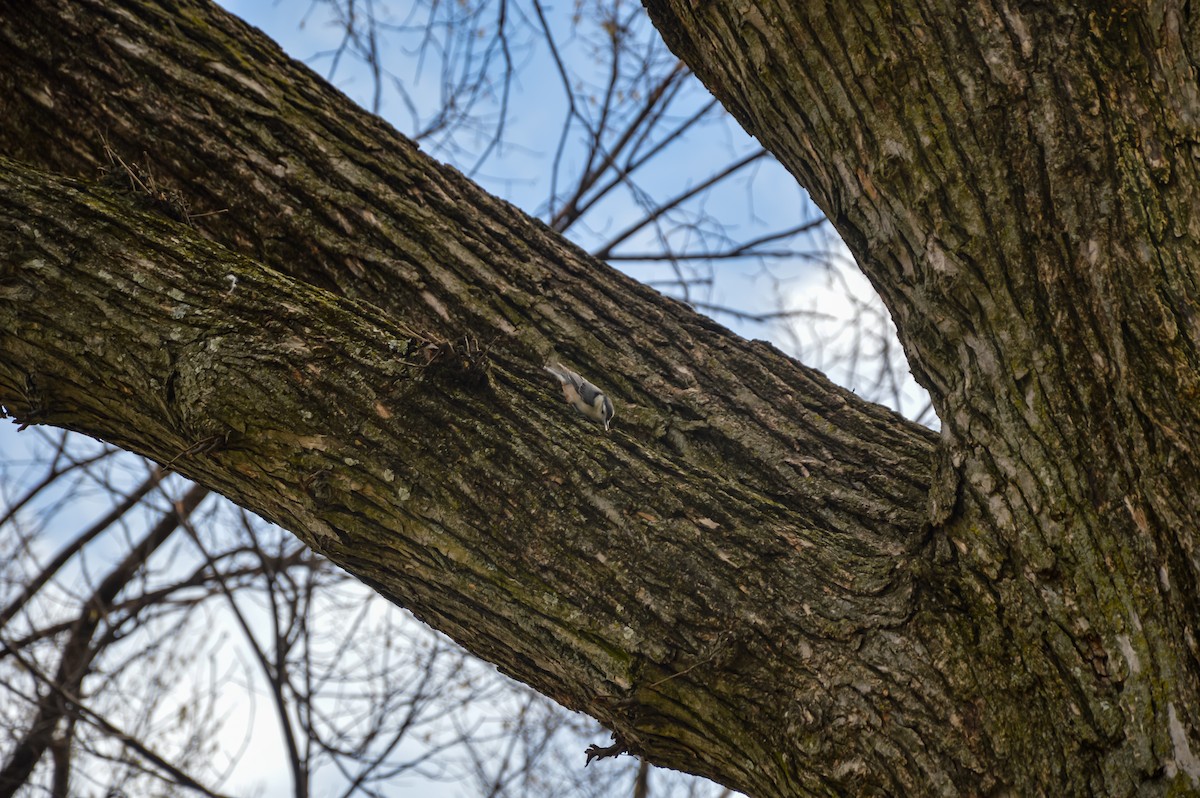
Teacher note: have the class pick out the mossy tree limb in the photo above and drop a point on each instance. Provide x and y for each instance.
(751, 578)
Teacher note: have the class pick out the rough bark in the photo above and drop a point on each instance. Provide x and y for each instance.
(1019, 182)
(742, 536)
(743, 580)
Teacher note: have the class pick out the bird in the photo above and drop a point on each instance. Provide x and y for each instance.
(583, 396)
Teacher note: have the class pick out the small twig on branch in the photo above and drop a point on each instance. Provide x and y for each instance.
(618, 747)
(199, 447)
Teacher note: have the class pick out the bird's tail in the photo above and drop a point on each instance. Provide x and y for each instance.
(563, 373)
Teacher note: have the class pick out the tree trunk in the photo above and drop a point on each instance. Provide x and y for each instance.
(1020, 186)
(750, 578)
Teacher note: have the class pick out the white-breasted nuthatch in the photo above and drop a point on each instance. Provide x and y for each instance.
(582, 395)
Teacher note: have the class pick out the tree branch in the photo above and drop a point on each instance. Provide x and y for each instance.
(642, 553)
(78, 653)
(372, 381)
(79, 708)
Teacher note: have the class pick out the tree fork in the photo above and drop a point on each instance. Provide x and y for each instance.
(1018, 182)
(809, 625)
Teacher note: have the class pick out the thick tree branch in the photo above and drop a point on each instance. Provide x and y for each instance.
(730, 579)
(333, 197)
(620, 574)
